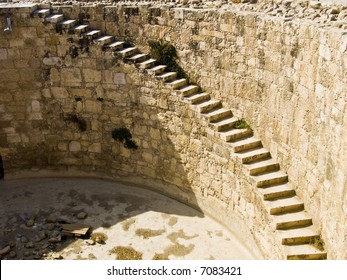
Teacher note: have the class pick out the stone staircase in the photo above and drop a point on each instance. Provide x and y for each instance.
(300, 239)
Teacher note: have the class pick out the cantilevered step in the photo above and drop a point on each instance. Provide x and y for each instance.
(198, 98)
(208, 105)
(254, 155)
(92, 34)
(79, 29)
(246, 144)
(258, 168)
(218, 115)
(55, 18)
(42, 13)
(114, 46)
(277, 192)
(304, 252)
(285, 205)
(136, 58)
(224, 124)
(292, 220)
(103, 40)
(146, 64)
(167, 76)
(127, 52)
(156, 70)
(236, 134)
(188, 90)
(298, 236)
(177, 83)
(67, 24)
(271, 178)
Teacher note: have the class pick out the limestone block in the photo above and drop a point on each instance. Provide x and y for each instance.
(92, 106)
(119, 78)
(62, 146)
(91, 76)
(3, 54)
(74, 146)
(71, 76)
(52, 61)
(59, 92)
(35, 106)
(95, 148)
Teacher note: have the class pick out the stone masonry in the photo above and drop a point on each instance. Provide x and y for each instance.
(286, 78)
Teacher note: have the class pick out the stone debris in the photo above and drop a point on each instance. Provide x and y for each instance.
(82, 215)
(57, 256)
(13, 254)
(5, 250)
(23, 239)
(51, 226)
(30, 223)
(29, 245)
(89, 242)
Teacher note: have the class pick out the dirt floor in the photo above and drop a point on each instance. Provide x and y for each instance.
(126, 222)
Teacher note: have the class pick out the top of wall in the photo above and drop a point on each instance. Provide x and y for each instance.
(325, 13)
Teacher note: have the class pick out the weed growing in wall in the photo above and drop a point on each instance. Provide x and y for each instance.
(124, 135)
(81, 123)
(165, 54)
(242, 124)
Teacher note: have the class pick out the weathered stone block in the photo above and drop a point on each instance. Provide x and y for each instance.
(95, 148)
(92, 106)
(119, 78)
(74, 146)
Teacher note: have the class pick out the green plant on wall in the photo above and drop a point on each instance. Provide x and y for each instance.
(165, 54)
(122, 134)
(242, 124)
(81, 123)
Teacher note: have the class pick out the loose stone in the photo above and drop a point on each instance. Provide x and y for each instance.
(5, 250)
(82, 215)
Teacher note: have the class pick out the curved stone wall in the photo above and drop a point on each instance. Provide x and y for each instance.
(285, 78)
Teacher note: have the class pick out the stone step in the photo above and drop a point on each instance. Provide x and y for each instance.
(42, 13)
(114, 46)
(167, 76)
(127, 52)
(304, 252)
(209, 105)
(137, 58)
(103, 40)
(219, 115)
(146, 64)
(285, 205)
(188, 90)
(177, 83)
(254, 155)
(246, 144)
(236, 134)
(92, 34)
(298, 236)
(198, 98)
(277, 192)
(258, 168)
(55, 18)
(225, 124)
(156, 70)
(292, 220)
(79, 29)
(67, 24)
(271, 178)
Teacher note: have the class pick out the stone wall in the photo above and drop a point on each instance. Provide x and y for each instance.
(286, 78)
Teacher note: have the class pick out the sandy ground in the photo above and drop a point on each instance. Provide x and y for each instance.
(126, 222)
